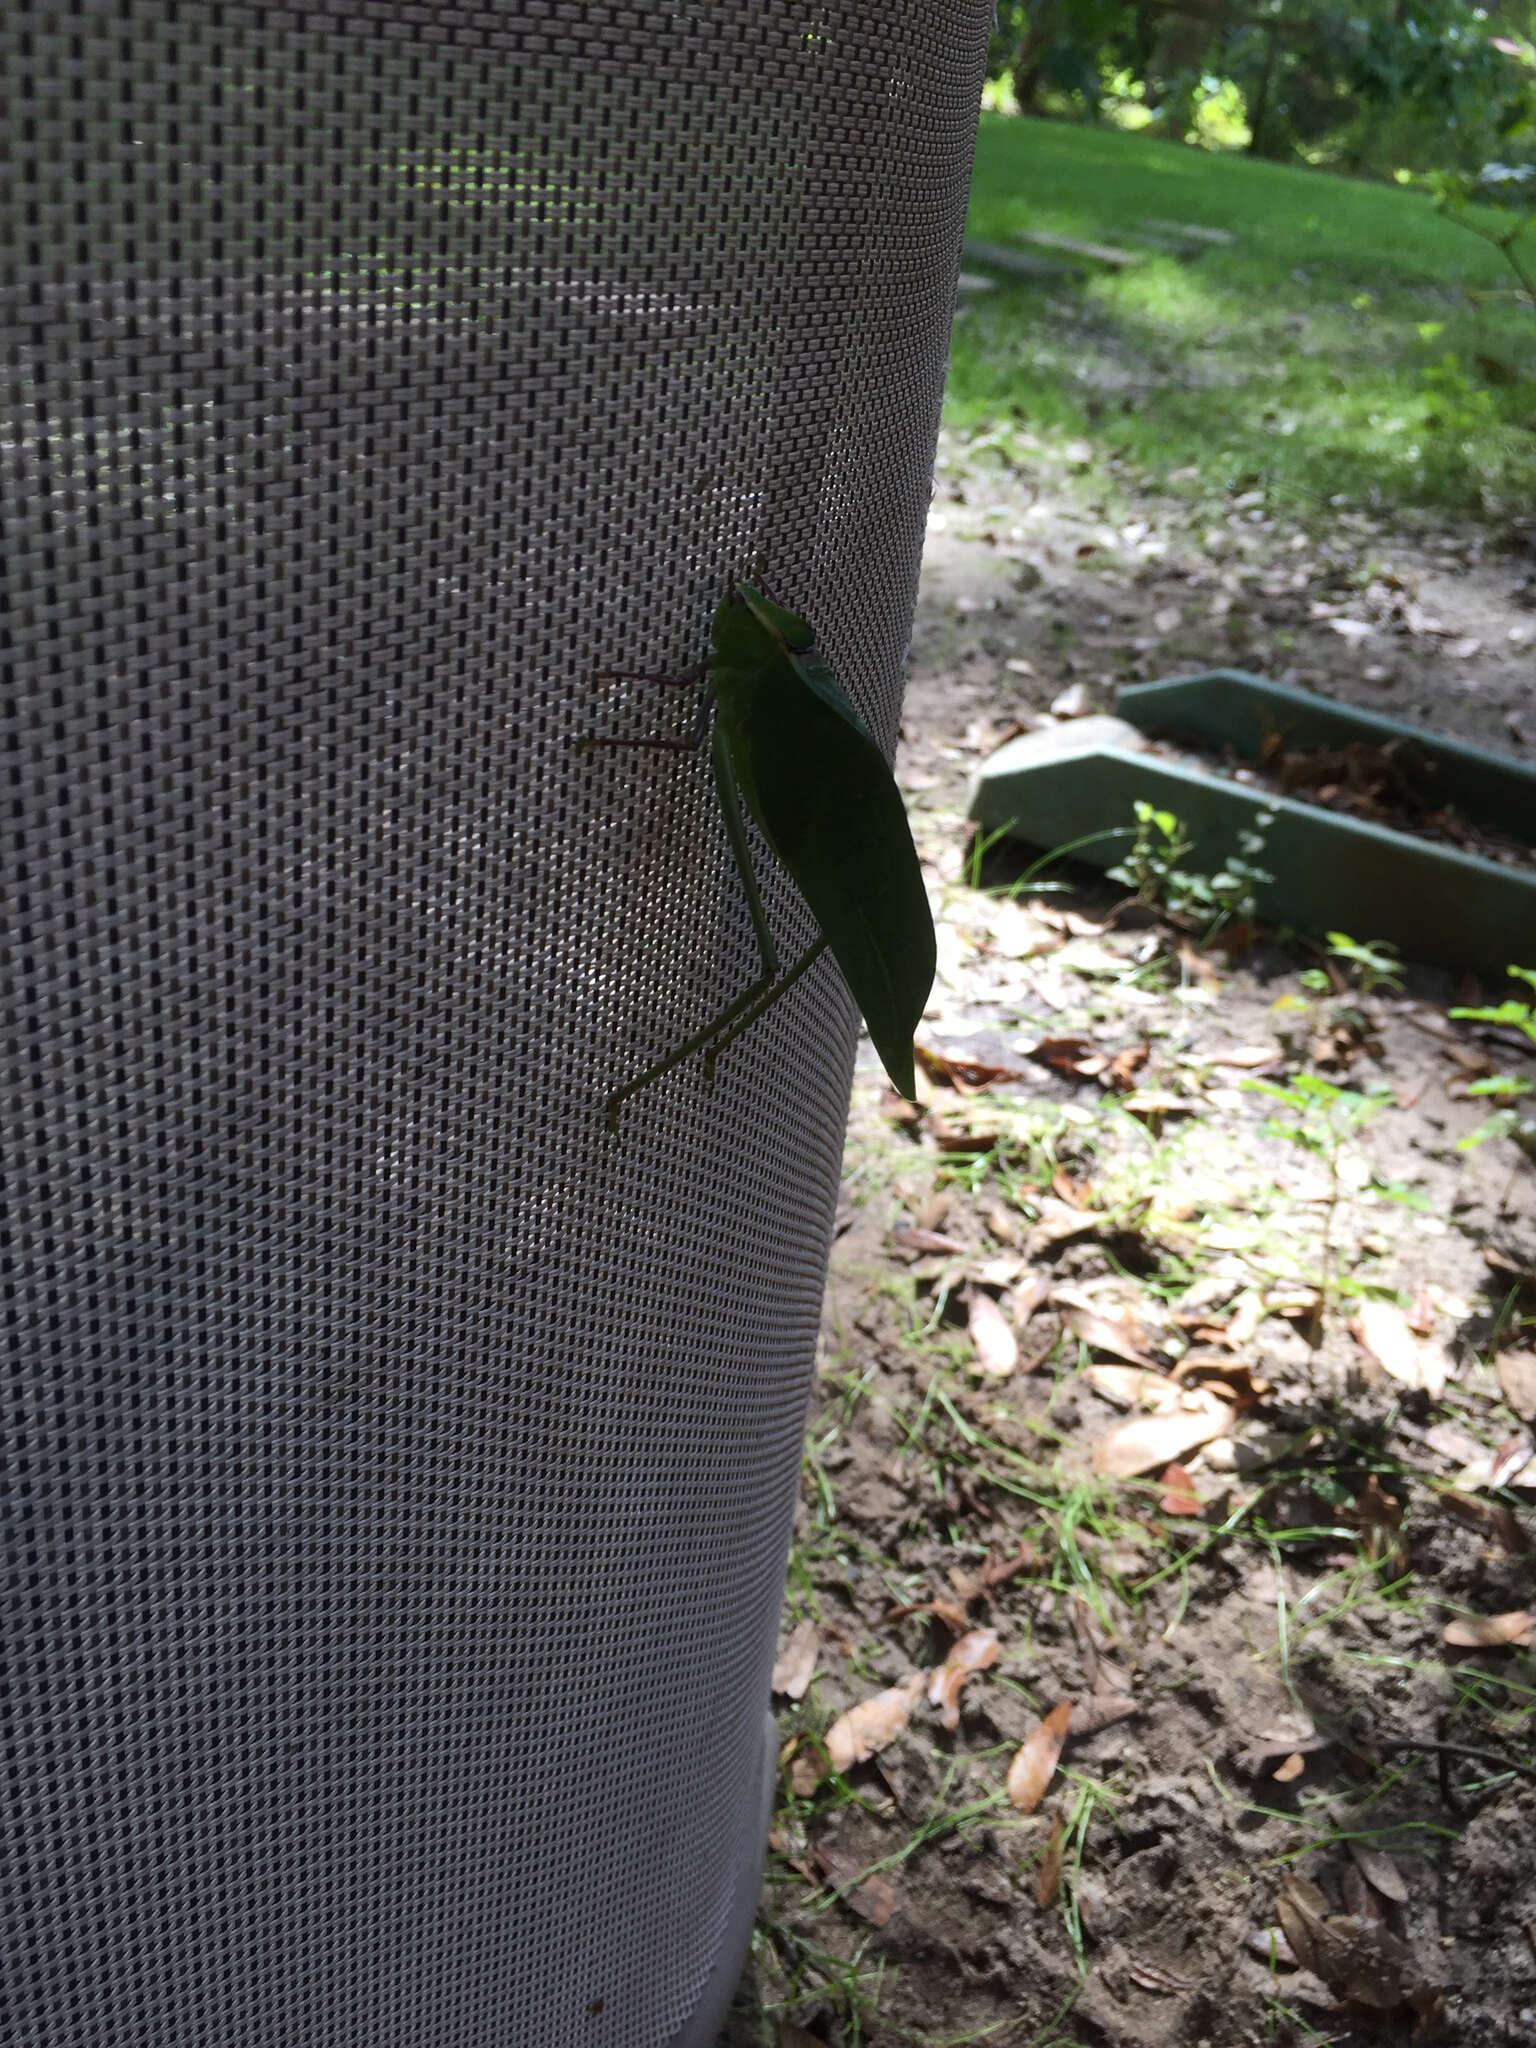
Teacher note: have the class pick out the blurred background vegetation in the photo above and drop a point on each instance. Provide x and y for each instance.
(1357, 85)
(1303, 259)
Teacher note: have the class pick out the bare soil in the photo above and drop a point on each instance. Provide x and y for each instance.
(1261, 1630)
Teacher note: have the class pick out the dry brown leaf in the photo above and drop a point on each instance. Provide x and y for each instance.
(874, 1900)
(1000, 1270)
(1034, 1293)
(1121, 1336)
(1004, 1224)
(1270, 1946)
(896, 1109)
(797, 1662)
(1017, 934)
(1126, 1064)
(1155, 1102)
(1450, 1440)
(1030, 1773)
(1057, 1223)
(1360, 1901)
(1048, 1877)
(1151, 1978)
(1202, 1331)
(1197, 968)
(873, 1723)
(805, 1774)
(996, 1571)
(1475, 1065)
(1517, 1381)
(926, 1241)
(1295, 1733)
(1179, 1496)
(1379, 1869)
(965, 1076)
(1134, 1386)
(1381, 1329)
(974, 1652)
(954, 1617)
(1148, 1441)
(1524, 1277)
(1421, 1316)
(1075, 1193)
(952, 1137)
(1249, 1310)
(1075, 1056)
(1507, 1465)
(1492, 1515)
(1227, 1377)
(997, 1349)
(1367, 1965)
(1250, 1056)
(1292, 1767)
(1102, 1710)
(1490, 1631)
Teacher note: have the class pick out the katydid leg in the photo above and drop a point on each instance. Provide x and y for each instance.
(741, 852)
(691, 745)
(697, 1043)
(764, 1002)
(733, 1020)
(685, 678)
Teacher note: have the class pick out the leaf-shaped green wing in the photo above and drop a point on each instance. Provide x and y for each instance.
(828, 805)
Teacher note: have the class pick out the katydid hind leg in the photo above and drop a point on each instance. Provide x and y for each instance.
(763, 1004)
(741, 853)
(720, 1031)
(700, 1039)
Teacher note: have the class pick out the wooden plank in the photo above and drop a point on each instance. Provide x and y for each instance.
(1220, 238)
(1016, 262)
(1102, 253)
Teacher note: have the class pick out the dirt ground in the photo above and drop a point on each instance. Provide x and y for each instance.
(1197, 1411)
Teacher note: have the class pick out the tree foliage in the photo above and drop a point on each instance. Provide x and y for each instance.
(1368, 83)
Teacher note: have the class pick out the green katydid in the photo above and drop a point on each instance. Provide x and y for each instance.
(787, 743)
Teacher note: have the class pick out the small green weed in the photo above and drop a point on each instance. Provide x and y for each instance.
(1376, 966)
(1506, 1122)
(1152, 872)
(1319, 1117)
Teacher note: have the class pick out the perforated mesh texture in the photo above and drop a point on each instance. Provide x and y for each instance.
(399, 1470)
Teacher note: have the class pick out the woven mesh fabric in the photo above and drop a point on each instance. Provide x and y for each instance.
(399, 1470)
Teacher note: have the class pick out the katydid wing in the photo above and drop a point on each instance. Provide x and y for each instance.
(813, 778)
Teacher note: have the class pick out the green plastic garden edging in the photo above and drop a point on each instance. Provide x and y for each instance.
(1332, 872)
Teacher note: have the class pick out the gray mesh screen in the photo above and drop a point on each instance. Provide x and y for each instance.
(399, 1471)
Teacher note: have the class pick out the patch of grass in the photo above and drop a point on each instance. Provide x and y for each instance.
(807, 1975)
(1088, 1797)
(1331, 351)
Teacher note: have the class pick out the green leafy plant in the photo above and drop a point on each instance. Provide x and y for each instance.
(1338, 1013)
(1506, 1122)
(1152, 872)
(1455, 194)
(1148, 869)
(1376, 966)
(1319, 1117)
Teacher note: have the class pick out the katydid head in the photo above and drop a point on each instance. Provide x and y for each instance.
(786, 627)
